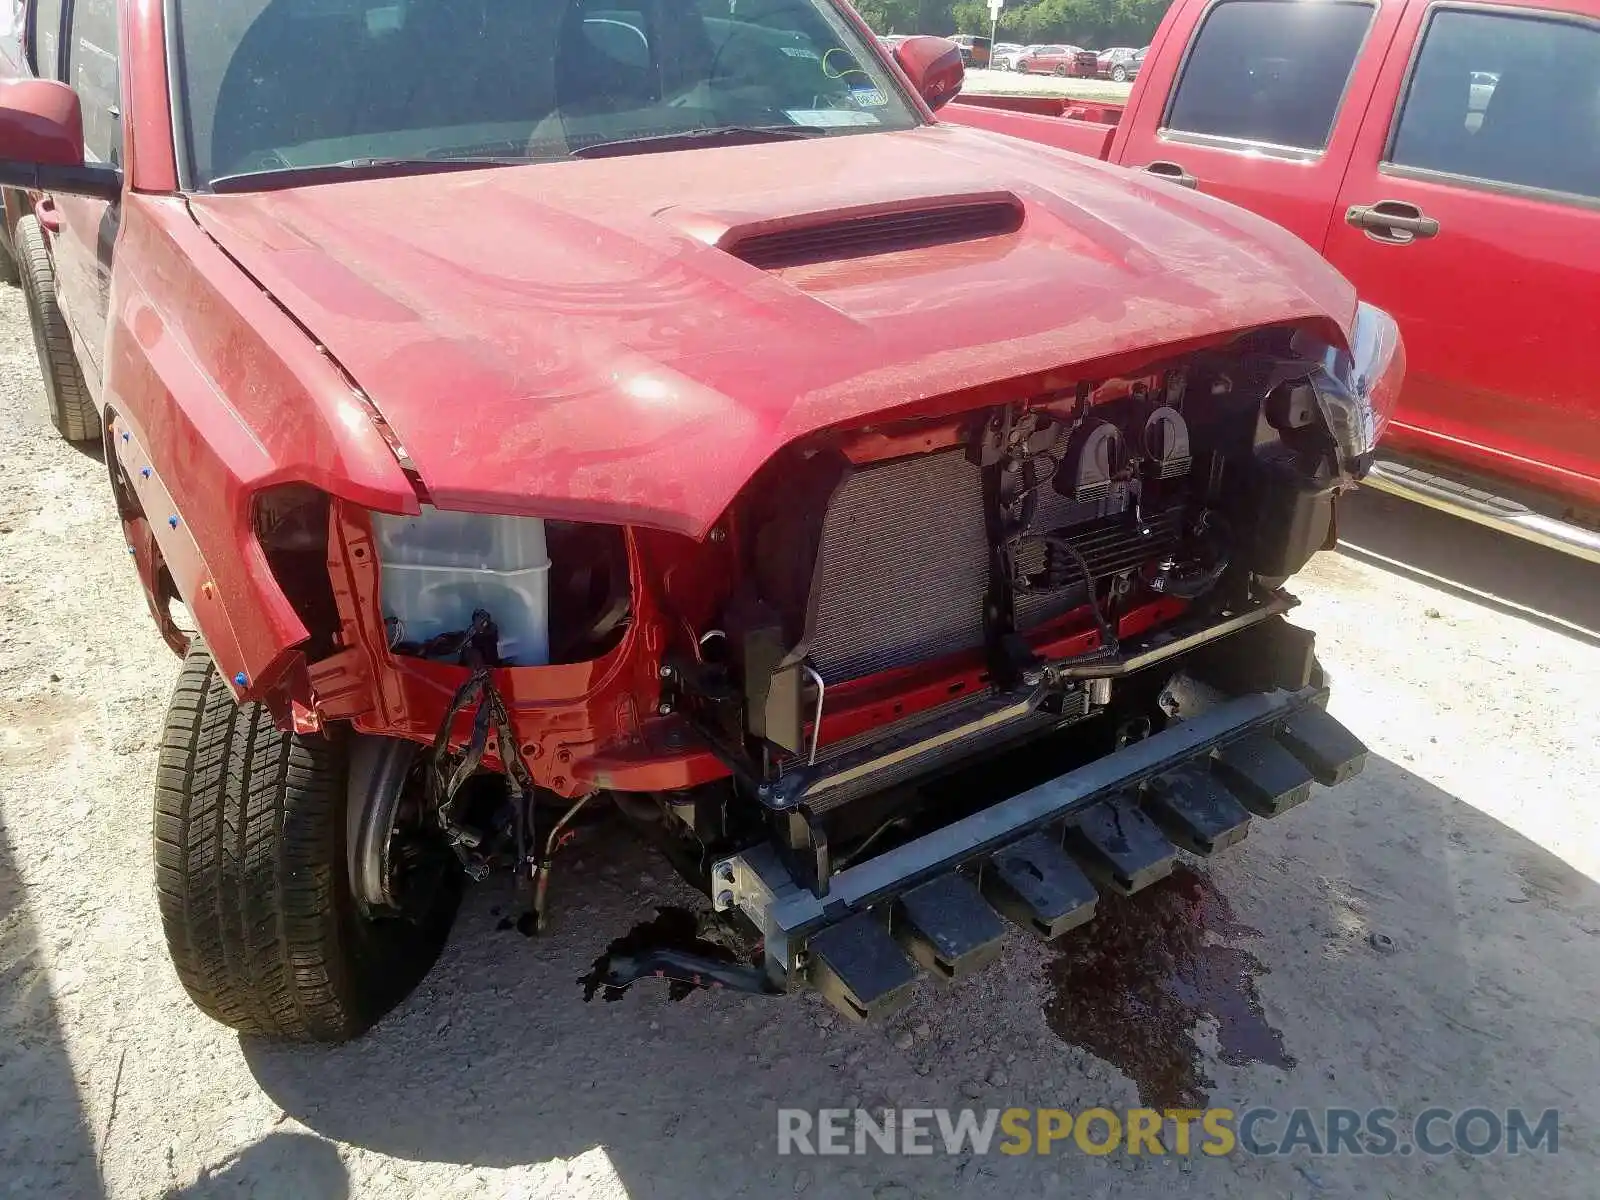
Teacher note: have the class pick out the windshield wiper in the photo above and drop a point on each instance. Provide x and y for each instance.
(716, 135)
(355, 168)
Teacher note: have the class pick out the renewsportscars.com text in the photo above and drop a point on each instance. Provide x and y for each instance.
(1215, 1132)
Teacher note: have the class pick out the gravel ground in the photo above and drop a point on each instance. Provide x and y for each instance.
(1428, 934)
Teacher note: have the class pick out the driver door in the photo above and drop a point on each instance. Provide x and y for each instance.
(86, 228)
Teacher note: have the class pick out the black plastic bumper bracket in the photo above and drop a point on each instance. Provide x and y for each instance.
(858, 968)
(1266, 776)
(1121, 846)
(1037, 886)
(947, 926)
(1196, 810)
(1331, 752)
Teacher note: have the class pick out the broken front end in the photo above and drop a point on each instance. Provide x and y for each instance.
(941, 671)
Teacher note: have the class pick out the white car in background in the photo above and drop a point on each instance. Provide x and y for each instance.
(1004, 56)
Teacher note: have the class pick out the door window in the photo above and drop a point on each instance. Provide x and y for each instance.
(1506, 99)
(92, 60)
(1269, 71)
(46, 41)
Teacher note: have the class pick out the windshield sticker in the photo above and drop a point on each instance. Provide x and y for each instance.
(829, 118)
(868, 96)
(800, 52)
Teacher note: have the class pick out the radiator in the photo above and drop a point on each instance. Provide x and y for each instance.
(904, 562)
(904, 567)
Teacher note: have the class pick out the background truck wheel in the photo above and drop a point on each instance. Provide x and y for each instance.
(252, 880)
(72, 411)
(9, 275)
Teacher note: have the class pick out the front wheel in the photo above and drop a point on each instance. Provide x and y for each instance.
(1119, 75)
(251, 875)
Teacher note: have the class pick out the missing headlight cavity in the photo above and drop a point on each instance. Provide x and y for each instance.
(291, 525)
(557, 591)
(590, 600)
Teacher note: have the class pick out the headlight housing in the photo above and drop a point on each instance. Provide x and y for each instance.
(557, 591)
(439, 567)
(1357, 389)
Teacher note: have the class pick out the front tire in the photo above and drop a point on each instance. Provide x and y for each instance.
(1119, 75)
(251, 876)
(72, 409)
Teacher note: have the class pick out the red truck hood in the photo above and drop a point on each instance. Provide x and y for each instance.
(568, 339)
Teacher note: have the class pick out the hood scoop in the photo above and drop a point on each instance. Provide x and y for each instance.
(829, 237)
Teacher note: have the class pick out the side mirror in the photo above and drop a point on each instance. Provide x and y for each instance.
(41, 142)
(933, 65)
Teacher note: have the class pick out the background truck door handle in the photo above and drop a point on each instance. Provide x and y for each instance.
(1172, 171)
(1393, 221)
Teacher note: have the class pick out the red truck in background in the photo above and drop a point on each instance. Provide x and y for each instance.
(1445, 158)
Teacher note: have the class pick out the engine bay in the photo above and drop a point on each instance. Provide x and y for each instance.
(1196, 489)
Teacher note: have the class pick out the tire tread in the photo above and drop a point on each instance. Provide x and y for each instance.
(72, 410)
(246, 838)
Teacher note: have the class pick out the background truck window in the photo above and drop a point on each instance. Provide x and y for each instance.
(1269, 71)
(92, 60)
(1506, 99)
(47, 39)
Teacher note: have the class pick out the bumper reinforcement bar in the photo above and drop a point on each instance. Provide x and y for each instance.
(1038, 858)
(919, 747)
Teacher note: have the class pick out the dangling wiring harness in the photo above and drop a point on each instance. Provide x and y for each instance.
(477, 648)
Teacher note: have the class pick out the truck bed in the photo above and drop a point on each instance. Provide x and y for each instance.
(1082, 126)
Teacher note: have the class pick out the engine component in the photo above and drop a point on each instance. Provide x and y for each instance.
(1197, 567)
(1294, 519)
(1166, 443)
(1095, 457)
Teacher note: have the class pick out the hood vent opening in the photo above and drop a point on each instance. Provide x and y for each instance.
(880, 233)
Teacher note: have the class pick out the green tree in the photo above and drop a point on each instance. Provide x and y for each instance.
(1093, 23)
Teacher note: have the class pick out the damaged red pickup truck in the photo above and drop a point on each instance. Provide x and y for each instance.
(666, 411)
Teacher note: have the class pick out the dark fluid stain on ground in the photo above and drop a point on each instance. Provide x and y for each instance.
(672, 929)
(1131, 985)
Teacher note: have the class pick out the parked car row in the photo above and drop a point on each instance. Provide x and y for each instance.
(1119, 64)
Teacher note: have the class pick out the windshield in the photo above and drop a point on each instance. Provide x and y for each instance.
(274, 84)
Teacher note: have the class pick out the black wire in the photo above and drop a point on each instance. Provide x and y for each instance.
(1013, 504)
(1108, 637)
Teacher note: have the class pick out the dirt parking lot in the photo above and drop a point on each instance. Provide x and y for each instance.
(1427, 935)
